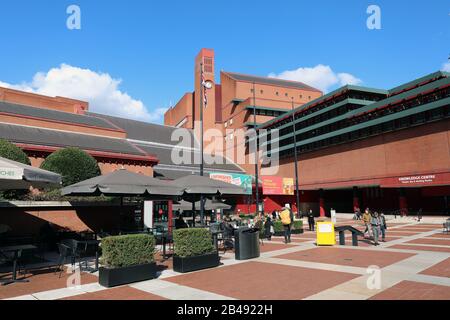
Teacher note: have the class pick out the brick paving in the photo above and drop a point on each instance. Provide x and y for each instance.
(263, 281)
(39, 281)
(121, 293)
(415, 266)
(440, 235)
(421, 248)
(409, 290)
(347, 257)
(437, 242)
(441, 269)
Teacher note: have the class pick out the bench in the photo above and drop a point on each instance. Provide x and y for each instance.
(355, 233)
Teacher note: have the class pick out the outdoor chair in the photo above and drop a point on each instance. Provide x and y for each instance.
(76, 250)
(66, 252)
(228, 238)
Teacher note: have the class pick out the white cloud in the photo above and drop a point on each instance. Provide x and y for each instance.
(321, 77)
(446, 67)
(99, 89)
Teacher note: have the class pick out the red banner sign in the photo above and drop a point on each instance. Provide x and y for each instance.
(278, 185)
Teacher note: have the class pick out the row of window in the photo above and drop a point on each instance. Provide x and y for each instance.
(345, 123)
(270, 113)
(348, 95)
(230, 122)
(277, 93)
(259, 112)
(406, 122)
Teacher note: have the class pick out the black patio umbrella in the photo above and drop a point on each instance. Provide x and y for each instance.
(123, 183)
(18, 176)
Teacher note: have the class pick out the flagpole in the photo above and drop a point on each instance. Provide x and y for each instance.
(202, 204)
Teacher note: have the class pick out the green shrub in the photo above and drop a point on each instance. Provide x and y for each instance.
(192, 242)
(128, 250)
(10, 151)
(73, 164)
(278, 226)
(298, 224)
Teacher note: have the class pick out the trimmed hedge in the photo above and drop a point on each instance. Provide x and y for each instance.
(192, 242)
(278, 226)
(10, 151)
(73, 164)
(128, 250)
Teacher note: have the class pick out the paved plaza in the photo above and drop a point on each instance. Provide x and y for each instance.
(413, 263)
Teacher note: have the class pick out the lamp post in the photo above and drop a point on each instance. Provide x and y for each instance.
(256, 150)
(297, 191)
(204, 85)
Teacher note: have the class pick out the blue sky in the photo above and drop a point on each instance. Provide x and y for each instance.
(151, 45)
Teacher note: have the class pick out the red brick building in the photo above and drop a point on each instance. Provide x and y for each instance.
(358, 147)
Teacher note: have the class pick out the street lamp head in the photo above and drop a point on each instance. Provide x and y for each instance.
(208, 84)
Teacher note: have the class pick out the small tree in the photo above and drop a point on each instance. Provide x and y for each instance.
(10, 151)
(73, 164)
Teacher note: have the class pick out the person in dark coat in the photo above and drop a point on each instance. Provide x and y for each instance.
(311, 221)
(180, 223)
(268, 228)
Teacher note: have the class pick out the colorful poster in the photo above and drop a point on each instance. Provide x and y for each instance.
(278, 185)
(241, 180)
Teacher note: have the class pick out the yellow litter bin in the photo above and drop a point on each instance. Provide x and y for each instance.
(325, 234)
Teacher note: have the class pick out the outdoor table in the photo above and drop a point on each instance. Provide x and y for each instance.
(16, 250)
(87, 243)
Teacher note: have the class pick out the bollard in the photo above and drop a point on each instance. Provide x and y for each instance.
(354, 239)
(342, 238)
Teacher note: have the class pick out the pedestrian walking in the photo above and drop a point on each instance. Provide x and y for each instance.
(311, 221)
(383, 227)
(375, 223)
(286, 220)
(366, 218)
(358, 214)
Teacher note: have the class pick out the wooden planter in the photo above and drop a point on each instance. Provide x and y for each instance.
(111, 277)
(189, 264)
